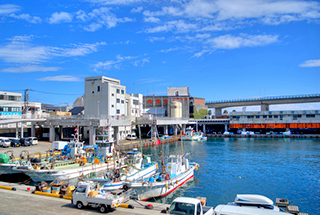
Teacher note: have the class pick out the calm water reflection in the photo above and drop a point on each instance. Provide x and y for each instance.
(276, 168)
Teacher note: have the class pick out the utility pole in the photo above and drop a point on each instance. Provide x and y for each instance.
(26, 100)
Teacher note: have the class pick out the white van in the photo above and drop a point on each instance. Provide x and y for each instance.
(33, 140)
(4, 142)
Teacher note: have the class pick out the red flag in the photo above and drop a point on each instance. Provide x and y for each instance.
(76, 129)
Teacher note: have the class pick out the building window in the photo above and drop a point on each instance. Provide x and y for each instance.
(112, 106)
(118, 111)
(92, 92)
(257, 117)
(250, 117)
(132, 111)
(1, 97)
(275, 116)
(122, 91)
(11, 98)
(122, 101)
(264, 116)
(310, 116)
(98, 88)
(270, 116)
(118, 100)
(112, 94)
(118, 91)
(177, 93)
(135, 102)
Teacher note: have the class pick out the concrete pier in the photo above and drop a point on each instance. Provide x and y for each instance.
(22, 201)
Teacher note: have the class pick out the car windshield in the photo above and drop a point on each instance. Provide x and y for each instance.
(181, 208)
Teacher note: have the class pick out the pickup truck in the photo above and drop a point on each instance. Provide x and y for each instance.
(189, 206)
(87, 194)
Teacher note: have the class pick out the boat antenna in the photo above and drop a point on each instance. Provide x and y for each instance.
(139, 135)
(181, 141)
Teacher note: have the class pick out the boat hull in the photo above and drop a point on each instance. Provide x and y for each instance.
(64, 173)
(149, 190)
(144, 173)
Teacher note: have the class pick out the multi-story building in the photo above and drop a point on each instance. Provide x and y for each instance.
(134, 105)
(161, 105)
(104, 96)
(10, 104)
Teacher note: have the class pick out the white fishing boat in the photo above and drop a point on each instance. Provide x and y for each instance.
(191, 135)
(249, 204)
(138, 166)
(177, 171)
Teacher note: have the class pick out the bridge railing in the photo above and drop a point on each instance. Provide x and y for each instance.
(266, 98)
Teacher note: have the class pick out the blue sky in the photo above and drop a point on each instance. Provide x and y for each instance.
(221, 49)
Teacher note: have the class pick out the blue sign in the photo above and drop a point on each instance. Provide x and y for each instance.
(10, 113)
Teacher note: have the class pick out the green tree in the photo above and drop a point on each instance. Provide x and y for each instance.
(209, 112)
(225, 112)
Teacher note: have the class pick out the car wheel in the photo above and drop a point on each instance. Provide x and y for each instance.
(103, 209)
(79, 205)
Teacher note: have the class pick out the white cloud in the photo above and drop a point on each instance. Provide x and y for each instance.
(117, 2)
(30, 68)
(100, 17)
(135, 60)
(310, 63)
(236, 11)
(10, 10)
(176, 25)
(199, 54)
(169, 50)
(60, 17)
(152, 39)
(151, 19)
(62, 78)
(6, 9)
(137, 10)
(28, 18)
(21, 50)
(233, 42)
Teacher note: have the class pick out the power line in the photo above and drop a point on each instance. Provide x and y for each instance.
(56, 93)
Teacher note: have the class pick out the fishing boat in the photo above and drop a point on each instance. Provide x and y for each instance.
(177, 171)
(191, 135)
(137, 166)
(73, 163)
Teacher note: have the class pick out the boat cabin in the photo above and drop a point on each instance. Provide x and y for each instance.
(176, 164)
(105, 147)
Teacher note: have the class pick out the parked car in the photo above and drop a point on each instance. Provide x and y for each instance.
(4, 142)
(131, 137)
(25, 142)
(33, 140)
(14, 142)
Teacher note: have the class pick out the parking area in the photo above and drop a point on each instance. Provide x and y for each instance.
(41, 147)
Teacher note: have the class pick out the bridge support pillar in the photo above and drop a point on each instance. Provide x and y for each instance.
(21, 130)
(17, 130)
(52, 133)
(116, 134)
(61, 132)
(92, 135)
(264, 107)
(184, 128)
(175, 130)
(33, 129)
(109, 133)
(218, 111)
(226, 127)
(204, 128)
(165, 130)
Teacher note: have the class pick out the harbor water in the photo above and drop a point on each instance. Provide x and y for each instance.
(276, 168)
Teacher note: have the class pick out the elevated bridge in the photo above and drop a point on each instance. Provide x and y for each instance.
(264, 102)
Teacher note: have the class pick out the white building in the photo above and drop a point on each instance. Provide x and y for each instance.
(104, 96)
(10, 104)
(134, 105)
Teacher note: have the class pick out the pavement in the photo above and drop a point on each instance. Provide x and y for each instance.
(24, 202)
